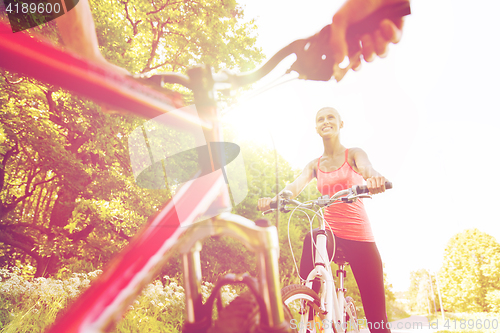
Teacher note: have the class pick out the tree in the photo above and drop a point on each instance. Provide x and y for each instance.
(172, 35)
(64, 179)
(493, 300)
(421, 295)
(470, 272)
(67, 195)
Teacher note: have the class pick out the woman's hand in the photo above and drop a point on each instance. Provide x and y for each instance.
(376, 184)
(264, 204)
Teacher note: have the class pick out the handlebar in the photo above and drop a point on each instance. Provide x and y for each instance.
(315, 59)
(348, 195)
(314, 54)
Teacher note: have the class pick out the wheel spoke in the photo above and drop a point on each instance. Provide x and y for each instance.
(303, 304)
(351, 316)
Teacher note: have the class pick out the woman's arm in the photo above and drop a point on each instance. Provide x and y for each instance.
(361, 164)
(295, 187)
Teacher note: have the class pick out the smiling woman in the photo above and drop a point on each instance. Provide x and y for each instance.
(402, 111)
(328, 120)
(338, 169)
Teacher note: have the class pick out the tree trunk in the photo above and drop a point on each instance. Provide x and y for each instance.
(46, 266)
(63, 207)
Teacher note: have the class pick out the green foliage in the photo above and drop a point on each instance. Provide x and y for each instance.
(260, 167)
(470, 274)
(2, 135)
(66, 191)
(144, 36)
(421, 295)
(395, 310)
(493, 300)
(220, 256)
(31, 305)
(291, 238)
(67, 194)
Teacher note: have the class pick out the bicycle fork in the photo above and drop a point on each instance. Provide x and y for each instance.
(332, 307)
(261, 240)
(340, 302)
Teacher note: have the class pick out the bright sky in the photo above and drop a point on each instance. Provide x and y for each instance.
(427, 116)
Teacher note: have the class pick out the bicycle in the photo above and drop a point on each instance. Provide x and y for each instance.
(103, 303)
(328, 310)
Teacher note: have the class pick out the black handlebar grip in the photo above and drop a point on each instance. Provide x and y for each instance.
(273, 204)
(360, 189)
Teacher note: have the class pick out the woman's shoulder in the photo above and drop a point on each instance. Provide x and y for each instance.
(312, 166)
(354, 151)
(353, 154)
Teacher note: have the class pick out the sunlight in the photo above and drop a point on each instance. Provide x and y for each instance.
(251, 120)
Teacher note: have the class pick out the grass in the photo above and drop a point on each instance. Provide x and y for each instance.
(31, 305)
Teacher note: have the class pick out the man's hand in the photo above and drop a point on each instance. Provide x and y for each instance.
(371, 45)
(77, 30)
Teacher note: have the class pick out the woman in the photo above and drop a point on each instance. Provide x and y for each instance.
(338, 169)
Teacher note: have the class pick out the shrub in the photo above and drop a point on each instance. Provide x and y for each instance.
(31, 304)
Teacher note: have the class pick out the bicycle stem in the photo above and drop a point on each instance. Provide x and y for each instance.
(202, 85)
(263, 242)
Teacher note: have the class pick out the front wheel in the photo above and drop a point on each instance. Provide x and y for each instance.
(303, 303)
(242, 315)
(351, 317)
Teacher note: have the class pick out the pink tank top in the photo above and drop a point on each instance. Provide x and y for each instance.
(347, 220)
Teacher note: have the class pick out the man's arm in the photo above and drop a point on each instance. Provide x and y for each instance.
(77, 30)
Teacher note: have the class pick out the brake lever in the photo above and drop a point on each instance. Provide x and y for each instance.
(282, 209)
(268, 211)
(324, 201)
(349, 199)
(353, 198)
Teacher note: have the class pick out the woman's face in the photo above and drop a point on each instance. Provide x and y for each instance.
(328, 122)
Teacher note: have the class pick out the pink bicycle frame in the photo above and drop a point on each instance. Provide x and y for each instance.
(104, 303)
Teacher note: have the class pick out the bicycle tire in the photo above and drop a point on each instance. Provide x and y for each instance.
(304, 300)
(241, 315)
(351, 316)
